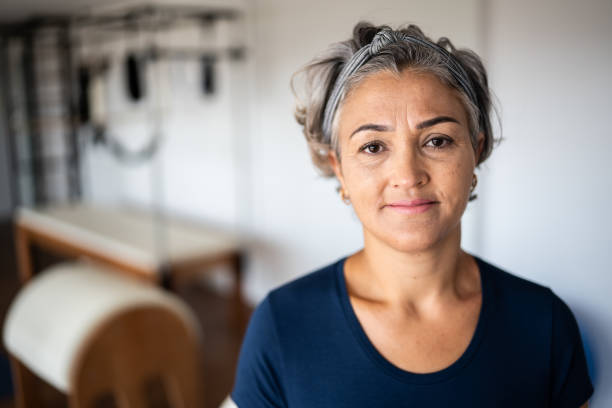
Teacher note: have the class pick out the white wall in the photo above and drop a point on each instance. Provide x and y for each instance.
(547, 194)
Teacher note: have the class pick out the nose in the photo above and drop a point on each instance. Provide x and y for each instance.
(408, 169)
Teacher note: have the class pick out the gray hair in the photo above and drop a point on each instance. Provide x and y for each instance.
(321, 74)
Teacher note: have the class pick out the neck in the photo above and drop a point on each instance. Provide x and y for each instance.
(411, 280)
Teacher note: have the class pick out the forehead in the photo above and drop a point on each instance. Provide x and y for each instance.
(413, 96)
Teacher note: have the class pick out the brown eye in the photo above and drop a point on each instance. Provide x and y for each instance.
(439, 142)
(372, 148)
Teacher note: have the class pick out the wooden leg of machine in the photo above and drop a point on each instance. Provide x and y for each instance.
(25, 386)
(24, 254)
(238, 303)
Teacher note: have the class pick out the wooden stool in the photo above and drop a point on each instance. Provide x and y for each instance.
(104, 340)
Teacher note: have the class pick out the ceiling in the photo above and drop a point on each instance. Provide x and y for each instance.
(16, 10)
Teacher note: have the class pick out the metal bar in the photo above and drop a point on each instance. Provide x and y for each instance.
(69, 102)
(38, 180)
(163, 16)
(5, 75)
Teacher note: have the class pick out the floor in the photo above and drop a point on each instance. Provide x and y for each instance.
(221, 342)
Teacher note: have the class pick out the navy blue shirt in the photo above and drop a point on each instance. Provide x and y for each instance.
(304, 347)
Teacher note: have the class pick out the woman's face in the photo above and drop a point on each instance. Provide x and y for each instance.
(405, 138)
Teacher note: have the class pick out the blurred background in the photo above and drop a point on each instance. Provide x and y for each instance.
(158, 138)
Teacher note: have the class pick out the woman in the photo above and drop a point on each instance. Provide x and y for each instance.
(411, 319)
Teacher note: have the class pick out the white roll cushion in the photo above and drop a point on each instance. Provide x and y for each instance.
(52, 316)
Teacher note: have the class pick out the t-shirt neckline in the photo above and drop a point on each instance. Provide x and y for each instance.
(397, 372)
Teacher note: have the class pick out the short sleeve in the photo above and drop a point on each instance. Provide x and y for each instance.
(571, 385)
(258, 381)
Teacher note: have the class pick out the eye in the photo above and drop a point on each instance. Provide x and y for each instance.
(439, 142)
(372, 148)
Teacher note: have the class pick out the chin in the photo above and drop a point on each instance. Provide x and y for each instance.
(414, 234)
(411, 241)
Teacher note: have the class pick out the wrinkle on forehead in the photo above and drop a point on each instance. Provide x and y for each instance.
(386, 98)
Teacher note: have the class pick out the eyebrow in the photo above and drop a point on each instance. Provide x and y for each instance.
(435, 121)
(422, 125)
(370, 126)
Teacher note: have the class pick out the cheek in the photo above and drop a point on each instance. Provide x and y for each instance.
(365, 188)
(363, 181)
(456, 181)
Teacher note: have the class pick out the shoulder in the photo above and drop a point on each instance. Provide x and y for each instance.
(511, 290)
(301, 307)
(526, 294)
(530, 305)
(279, 327)
(519, 305)
(525, 307)
(507, 280)
(310, 289)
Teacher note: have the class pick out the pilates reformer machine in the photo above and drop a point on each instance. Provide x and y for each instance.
(54, 82)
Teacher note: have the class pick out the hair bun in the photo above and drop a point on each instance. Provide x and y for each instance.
(382, 39)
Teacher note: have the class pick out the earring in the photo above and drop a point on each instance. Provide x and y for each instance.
(474, 182)
(344, 197)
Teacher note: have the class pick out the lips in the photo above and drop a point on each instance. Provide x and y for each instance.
(417, 206)
(412, 203)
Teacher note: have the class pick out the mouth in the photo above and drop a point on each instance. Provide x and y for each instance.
(412, 207)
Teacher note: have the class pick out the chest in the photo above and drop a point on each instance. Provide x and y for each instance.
(420, 345)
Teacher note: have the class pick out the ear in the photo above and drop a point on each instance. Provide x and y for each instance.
(480, 147)
(334, 161)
